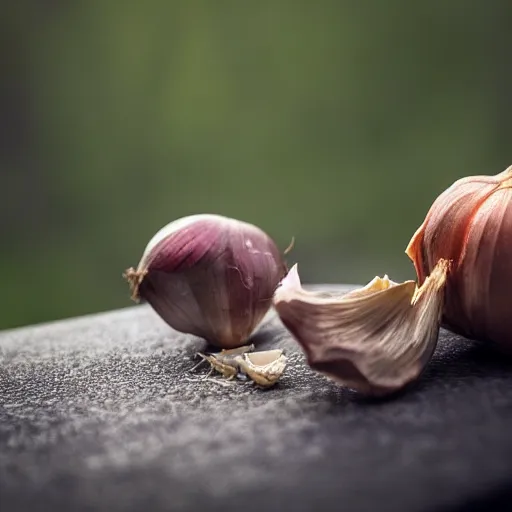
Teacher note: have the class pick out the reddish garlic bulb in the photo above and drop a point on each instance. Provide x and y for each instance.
(210, 276)
(470, 224)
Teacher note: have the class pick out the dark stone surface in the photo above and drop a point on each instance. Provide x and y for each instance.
(102, 414)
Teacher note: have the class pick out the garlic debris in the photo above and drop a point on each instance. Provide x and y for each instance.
(375, 339)
(264, 368)
(209, 275)
(470, 224)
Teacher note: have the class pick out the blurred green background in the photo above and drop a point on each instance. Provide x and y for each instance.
(337, 122)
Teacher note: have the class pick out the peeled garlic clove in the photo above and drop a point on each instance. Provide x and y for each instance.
(210, 276)
(470, 224)
(376, 339)
(264, 368)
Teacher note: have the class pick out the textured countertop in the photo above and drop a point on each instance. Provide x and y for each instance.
(102, 413)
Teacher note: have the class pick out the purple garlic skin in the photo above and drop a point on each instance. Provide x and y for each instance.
(210, 276)
(376, 339)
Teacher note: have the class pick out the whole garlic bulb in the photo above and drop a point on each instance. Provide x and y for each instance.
(210, 276)
(470, 224)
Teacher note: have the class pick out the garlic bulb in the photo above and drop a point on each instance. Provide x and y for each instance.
(470, 224)
(210, 276)
(375, 339)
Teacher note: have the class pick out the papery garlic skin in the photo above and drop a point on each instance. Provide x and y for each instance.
(209, 275)
(376, 339)
(470, 224)
(263, 368)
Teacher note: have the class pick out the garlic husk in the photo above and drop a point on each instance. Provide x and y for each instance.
(264, 368)
(470, 224)
(210, 276)
(376, 339)
(226, 362)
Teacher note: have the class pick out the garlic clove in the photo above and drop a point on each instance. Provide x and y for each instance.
(264, 368)
(458, 202)
(210, 276)
(376, 339)
(470, 224)
(486, 298)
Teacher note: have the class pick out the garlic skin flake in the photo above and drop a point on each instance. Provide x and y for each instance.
(209, 275)
(375, 339)
(226, 362)
(264, 368)
(470, 224)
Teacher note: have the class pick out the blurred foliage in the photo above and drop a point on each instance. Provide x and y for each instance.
(336, 122)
